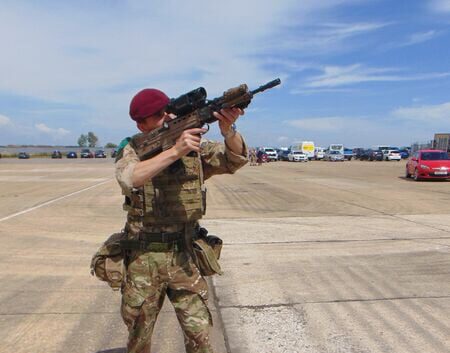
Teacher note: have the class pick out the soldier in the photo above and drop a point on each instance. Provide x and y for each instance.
(165, 198)
(252, 157)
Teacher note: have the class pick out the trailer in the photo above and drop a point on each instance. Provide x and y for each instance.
(442, 142)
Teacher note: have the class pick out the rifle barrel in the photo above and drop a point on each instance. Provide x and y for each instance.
(268, 85)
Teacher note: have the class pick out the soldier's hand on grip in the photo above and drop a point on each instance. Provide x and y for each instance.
(227, 117)
(189, 141)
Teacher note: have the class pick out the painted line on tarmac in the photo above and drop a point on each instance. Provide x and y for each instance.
(53, 201)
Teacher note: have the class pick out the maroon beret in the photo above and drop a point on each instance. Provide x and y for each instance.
(147, 102)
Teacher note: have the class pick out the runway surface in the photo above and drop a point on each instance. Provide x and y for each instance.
(318, 257)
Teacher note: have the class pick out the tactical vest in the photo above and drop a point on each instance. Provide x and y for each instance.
(175, 195)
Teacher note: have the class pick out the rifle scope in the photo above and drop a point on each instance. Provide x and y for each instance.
(188, 102)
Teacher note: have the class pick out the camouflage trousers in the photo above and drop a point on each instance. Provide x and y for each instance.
(152, 275)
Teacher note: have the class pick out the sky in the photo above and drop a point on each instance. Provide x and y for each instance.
(357, 72)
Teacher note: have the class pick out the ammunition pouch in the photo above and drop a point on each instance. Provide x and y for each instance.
(107, 264)
(206, 251)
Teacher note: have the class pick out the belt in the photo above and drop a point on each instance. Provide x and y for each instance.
(161, 237)
(158, 242)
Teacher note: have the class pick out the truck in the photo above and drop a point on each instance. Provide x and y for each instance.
(336, 147)
(442, 142)
(307, 147)
(348, 154)
(384, 148)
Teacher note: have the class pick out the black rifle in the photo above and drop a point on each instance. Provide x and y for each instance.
(193, 110)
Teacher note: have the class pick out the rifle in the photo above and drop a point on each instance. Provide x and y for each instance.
(193, 110)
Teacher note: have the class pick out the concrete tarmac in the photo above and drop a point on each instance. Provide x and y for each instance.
(318, 257)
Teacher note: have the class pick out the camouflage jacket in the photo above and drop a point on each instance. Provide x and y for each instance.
(216, 159)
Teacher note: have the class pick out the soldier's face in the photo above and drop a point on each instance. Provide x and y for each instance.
(154, 121)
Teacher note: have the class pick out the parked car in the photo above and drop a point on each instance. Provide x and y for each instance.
(334, 156)
(71, 155)
(283, 155)
(404, 153)
(363, 155)
(392, 155)
(428, 164)
(100, 154)
(297, 156)
(271, 153)
(86, 153)
(358, 152)
(348, 154)
(56, 154)
(261, 157)
(374, 155)
(23, 155)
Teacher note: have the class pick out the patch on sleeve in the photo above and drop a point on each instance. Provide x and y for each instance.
(122, 145)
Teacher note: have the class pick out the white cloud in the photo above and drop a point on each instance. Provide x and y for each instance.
(440, 5)
(333, 123)
(77, 55)
(342, 30)
(362, 131)
(283, 139)
(420, 37)
(59, 132)
(324, 38)
(5, 121)
(334, 76)
(73, 51)
(439, 113)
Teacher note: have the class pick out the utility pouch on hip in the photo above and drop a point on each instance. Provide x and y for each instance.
(107, 264)
(207, 252)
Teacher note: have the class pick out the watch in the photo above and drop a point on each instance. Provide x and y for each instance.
(230, 132)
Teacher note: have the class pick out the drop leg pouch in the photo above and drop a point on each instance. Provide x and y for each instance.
(207, 252)
(107, 264)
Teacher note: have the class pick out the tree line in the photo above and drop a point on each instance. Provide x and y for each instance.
(91, 140)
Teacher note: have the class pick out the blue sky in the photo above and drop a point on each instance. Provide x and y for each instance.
(358, 72)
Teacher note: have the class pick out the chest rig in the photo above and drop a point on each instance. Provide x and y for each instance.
(176, 195)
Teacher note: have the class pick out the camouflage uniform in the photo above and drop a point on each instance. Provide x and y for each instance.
(252, 157)
(168, 268)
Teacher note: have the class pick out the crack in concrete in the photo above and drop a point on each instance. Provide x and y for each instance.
(279, 305)
(334, 241)
(397, 217)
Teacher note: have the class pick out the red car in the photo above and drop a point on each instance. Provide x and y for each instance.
(428, 164)
(261, 157)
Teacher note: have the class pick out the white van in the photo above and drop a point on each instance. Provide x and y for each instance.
(307, 147)
(319, 153)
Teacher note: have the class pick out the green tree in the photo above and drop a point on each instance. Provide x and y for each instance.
(110, 145)
(82, 140)
(92, 139)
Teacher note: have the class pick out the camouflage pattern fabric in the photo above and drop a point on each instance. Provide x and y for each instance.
(150, 276)
(216, 158)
